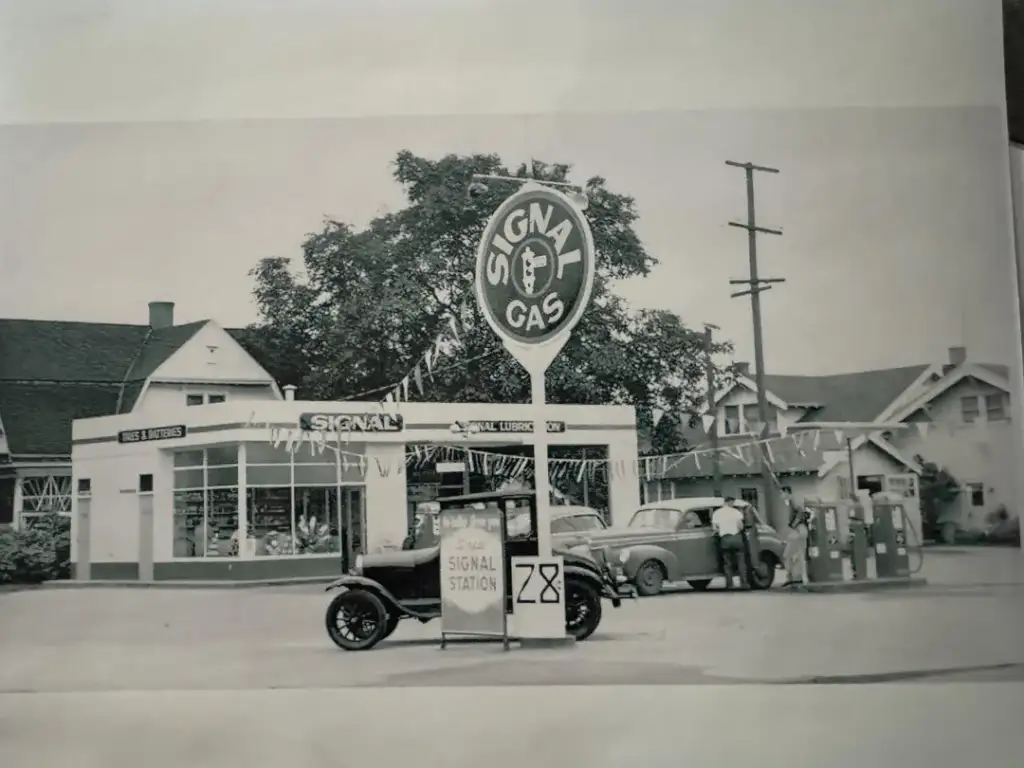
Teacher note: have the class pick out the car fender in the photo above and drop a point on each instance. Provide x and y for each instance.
(584, 573)
(774, 545)
(641, 553)
(604, 589)
(361, 582)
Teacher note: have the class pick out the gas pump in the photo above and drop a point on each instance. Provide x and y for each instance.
(889, 537)
(824, 547)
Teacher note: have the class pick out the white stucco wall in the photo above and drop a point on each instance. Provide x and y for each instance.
(112, 467)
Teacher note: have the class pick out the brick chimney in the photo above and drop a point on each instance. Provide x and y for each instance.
(161, 314)
(957, 356)
(742, 369)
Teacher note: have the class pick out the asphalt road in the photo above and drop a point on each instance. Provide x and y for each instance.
(164, 678)
(967, 625)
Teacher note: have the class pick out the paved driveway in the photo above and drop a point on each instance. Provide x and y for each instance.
(971, 618)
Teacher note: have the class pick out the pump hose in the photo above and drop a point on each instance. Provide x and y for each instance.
(908, 525)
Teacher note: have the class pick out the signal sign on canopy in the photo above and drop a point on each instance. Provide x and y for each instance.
(535, 267)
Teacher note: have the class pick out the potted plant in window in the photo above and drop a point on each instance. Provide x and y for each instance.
(311, 535)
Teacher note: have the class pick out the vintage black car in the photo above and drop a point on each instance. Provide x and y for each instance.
(382, 589)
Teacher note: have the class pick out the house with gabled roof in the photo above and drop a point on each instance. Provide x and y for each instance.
(52, 372)
(957, 415)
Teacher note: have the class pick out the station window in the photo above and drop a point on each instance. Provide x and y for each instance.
(977, 491)
(299, 501)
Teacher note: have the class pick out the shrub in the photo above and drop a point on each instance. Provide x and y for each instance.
(40, 551)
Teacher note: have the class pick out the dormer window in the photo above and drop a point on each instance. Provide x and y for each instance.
(205, 398)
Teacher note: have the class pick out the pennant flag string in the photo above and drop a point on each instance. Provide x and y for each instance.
(506, 465)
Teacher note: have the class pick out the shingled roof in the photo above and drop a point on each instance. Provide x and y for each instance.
(861, 396)
(52, 372)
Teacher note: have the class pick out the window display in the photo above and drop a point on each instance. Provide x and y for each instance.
(294, 505)
(206, 502)
(270, 521)
(206, 523)
(317, 521)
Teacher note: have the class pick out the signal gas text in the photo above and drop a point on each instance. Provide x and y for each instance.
(547, 311)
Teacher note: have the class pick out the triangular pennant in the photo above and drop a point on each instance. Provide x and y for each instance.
(768, 453)
(453, 326)
(389, 398)
(922, 428)
(417, 376)
(784, 421)
(839, 436)
(708, 420)
(696, 460)
(383, 467)
(817, 440)
(405, 389)
(428, 361)
(656, 414)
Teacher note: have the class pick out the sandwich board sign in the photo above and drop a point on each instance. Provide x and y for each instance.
(473, 573)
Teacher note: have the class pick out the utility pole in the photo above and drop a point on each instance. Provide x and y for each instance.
(709, 374)
(755, 286)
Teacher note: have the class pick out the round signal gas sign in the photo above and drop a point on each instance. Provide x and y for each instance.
(535, 266)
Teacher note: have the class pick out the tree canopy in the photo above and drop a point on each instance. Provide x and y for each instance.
(367, 303)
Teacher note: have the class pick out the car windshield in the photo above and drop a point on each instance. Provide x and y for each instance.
(657, 518)
(587, 523)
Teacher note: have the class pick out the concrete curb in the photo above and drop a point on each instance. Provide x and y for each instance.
(188, 583)
(865, 585)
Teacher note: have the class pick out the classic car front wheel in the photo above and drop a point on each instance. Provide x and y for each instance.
(582, 608)
(356, 620)
(649, 578)
(764, 577)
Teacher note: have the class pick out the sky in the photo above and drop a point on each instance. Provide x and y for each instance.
(175, 159)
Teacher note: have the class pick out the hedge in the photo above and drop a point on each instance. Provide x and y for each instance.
(38, 552)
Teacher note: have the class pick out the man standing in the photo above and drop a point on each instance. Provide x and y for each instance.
(795, 553)
(727, 522)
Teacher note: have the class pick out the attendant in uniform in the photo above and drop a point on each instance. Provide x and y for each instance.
(727, 522)
(795, 553)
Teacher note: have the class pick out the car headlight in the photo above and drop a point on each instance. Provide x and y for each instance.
(624, 556)
(357, 569)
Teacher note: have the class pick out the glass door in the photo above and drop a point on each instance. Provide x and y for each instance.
(353, 524)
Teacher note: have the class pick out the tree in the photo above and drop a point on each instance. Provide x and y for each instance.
(938, 490)
(369, 302)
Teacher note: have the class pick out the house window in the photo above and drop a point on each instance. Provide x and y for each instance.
(995, 406)
(752, 416)
(871, 483)
(969, 409)
(977, 491)
(205, 398)
(732, 419)
(749, 495)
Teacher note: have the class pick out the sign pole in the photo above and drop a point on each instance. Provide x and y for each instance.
(534, 276)
(541, 478)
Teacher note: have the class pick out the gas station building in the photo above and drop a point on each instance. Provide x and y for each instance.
(282, 488)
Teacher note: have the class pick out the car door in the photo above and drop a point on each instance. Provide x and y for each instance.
(702, 549)
(685, 543)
